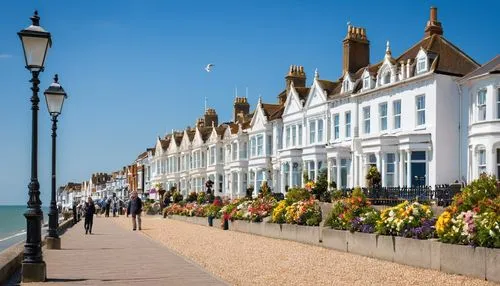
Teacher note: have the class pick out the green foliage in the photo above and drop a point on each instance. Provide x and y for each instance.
(321, 184)
(192, 197)
(177, 196)
(202, 198)
(373, 177)
(336, 195)
(297, 194)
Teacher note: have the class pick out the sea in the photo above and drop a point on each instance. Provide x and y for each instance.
(13, 225)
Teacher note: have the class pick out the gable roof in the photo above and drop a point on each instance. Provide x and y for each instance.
(205, 132)
(450, 59)
(270, 109)
(491, 67)
(178, 138)
(165, 143)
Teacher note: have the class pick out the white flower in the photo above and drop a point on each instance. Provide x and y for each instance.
(391, 213)
(492, 234)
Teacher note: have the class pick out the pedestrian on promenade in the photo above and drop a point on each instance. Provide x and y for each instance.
(89, 215)
(134, 209)
(115, 205)
(108, 205)
(75, 216)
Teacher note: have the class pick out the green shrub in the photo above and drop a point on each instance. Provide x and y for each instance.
(202, 197)
(297, 195)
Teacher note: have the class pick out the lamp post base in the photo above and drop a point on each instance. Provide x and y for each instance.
(53, 242)
(34, 272)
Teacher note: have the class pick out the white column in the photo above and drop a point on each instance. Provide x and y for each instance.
(382, 168)
(338, 171)
(408, 168)
(240, 185)
(377, 156)
(282, 179)
(401, 168)
(315, 170)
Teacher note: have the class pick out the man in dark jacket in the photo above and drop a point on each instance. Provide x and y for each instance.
(135, 209)
(89, 215)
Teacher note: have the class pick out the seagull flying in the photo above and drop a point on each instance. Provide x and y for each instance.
(208, 68)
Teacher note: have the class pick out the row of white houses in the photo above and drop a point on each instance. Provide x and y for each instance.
(429, 116)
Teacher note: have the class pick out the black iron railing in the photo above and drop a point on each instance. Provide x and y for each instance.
(441, 194)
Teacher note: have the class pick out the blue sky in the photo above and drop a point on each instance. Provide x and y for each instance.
(134, 69)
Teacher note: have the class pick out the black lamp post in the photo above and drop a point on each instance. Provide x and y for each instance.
(36, 42)
(54, 96)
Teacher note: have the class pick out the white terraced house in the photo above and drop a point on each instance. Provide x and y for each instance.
(428, 116)
(480, 113)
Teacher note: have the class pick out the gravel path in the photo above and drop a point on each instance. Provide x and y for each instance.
(245, 259)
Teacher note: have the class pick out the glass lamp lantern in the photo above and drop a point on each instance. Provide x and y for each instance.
(55, 95)
(36, 42)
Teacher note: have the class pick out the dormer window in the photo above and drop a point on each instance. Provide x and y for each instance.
(386, 78)
(346, 86)
(421, 65)
(366, 82)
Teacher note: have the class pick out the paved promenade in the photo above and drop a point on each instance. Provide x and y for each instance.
(118, 256)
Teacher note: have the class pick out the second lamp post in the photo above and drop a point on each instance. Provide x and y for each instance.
(54, 96)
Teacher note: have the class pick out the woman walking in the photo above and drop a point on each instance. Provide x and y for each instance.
(89, 215)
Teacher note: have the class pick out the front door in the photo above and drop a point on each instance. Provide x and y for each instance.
(418, 174)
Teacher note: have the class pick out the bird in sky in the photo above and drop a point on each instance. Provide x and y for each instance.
(209, 67)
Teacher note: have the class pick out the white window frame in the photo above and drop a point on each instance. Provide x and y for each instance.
(299, 130)
(366, 120)
(366, 82)
(389, 173)
(287, 136)
(481, 160)
(312, 131)
(294, 135)
(396, 114)
(383, 117)
(347, 115)
(320, 131)
(421, 65)
(346, 85)
(498, 102)
(481, 105)
(260, 145)
(419, 111)
(336, 126)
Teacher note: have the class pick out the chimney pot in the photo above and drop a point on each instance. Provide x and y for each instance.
(433, 16)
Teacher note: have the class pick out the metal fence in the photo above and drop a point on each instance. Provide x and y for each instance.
(441, 194)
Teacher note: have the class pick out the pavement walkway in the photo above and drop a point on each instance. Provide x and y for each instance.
(117, 256)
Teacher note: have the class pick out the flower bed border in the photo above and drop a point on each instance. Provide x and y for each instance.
(479, 262)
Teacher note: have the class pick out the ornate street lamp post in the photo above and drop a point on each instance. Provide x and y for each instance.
(54, 96)
(36, 41)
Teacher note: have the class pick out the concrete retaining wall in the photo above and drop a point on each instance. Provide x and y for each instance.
(458, 259)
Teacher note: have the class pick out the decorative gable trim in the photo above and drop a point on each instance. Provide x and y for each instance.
(292, 98)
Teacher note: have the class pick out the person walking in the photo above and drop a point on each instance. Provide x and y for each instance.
(75, 215)
(89, 215)
(134, 209)
(108, 205)
(115, 205)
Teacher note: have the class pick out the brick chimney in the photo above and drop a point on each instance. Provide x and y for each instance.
(433, 26)
(211, 117)
(241, 108)
(296, 75)
(356, 50)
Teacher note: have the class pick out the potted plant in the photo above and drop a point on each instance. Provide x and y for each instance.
(373, 177)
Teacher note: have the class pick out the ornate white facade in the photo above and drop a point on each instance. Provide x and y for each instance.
(415, 117)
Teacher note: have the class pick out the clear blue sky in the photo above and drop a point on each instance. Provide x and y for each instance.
(134, 69)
